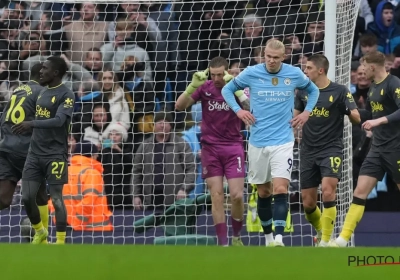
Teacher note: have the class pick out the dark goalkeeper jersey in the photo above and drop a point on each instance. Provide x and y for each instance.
(54, 141)
(384, 99)
(21, 107)
(326, 122)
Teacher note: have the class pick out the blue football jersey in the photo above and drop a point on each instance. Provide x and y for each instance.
(271, 101)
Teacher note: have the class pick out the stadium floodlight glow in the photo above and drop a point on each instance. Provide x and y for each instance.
(184, 24)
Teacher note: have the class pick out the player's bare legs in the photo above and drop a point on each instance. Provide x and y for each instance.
(281, 207)
(364, 187)
(29, 193)
(323, 224)
(215, 185)
(236, 186)
(264, 210)
(7, 189)
(60, 212)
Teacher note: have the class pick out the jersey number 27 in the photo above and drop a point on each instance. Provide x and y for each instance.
(16, 112)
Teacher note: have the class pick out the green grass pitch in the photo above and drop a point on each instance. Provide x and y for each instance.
(109, 262)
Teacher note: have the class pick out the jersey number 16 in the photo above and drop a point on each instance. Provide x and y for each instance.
(16, 112)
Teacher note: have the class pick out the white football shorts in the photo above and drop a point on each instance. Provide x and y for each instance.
(270, 162)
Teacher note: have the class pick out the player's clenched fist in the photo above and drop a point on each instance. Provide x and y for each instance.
(198, 79)
(246, 117)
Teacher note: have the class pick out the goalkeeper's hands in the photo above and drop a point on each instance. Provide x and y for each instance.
(198, 79)
(240, 93)
(344, 109)
(227, 77)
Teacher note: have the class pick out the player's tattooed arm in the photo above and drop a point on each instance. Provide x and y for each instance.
(246, 104)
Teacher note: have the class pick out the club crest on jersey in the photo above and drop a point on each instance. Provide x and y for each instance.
(275, 81)
(287, 81)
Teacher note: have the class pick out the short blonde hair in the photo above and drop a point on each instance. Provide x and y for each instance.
(275, 45)
(374, 57)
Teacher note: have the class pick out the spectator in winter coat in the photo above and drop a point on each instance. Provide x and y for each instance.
(385, 28)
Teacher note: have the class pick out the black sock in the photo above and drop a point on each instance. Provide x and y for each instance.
(280, 212)
(29, 192)
(59, 207)
(264, 210)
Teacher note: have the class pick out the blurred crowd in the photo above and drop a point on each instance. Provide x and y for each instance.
(129, 62)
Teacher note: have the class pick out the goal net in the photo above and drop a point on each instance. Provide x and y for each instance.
(127, 63)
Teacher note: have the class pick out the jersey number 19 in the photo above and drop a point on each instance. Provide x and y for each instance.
(16, 112)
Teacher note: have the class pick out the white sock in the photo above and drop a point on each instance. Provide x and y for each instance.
(278, 238)
(323, 244)
(341, 242)
(269, 238)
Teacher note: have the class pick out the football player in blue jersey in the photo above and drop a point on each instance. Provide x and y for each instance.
(272, 89)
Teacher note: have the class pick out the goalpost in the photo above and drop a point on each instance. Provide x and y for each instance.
(172, 39)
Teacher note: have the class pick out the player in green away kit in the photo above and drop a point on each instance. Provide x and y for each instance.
(47, 157)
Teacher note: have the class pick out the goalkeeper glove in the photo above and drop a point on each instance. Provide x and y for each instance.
(199, 78)
(240, 93)
(344, 109)
(227, 77)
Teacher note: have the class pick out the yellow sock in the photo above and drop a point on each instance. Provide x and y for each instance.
(38, 226)
(315, 218)
(354, 216)
(328, 220)
(44, 215)
(60, 235)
